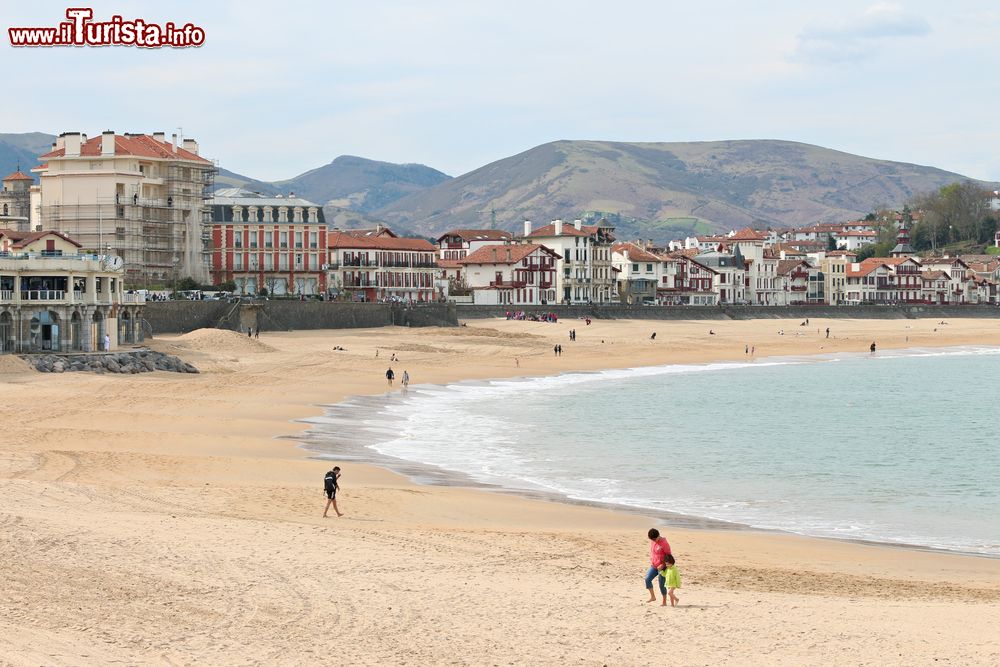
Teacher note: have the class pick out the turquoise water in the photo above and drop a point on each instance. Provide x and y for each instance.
(900, 447)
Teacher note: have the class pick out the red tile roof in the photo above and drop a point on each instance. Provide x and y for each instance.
(341, 239)
(139, 145)
(21, 239)
(18, 176)
(448, 263)
(749, 234)
(634, 253)
(504, 254)
(478, 234)
(372, 232)
(786, 265)
(567, 230)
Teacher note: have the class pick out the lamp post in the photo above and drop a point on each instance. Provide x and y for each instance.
(175, 262)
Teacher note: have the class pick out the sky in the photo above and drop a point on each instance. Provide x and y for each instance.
(279, 88)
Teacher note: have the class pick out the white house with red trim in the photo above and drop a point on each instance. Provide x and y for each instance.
(460, 243)
(380, 267)
(516, 275)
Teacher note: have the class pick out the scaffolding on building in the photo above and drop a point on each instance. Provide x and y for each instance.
(158, 238)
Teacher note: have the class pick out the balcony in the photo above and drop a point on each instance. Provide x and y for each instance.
(508, 284)
(798, 288)
(43, 295)
(545, 284)
(133, 298)
(453, 246)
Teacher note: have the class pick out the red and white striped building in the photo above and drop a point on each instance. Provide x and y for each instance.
(268, 243)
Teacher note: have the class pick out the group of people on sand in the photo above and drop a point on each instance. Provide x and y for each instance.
(662, 568)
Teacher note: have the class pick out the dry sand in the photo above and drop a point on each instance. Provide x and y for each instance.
(156, 519)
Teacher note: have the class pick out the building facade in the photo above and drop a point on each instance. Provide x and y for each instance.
(15, 202)
(460, 243)
(380, 267)
(140, 196)
(517, 275)
(585, 272)
(55, 299)
(273, 243)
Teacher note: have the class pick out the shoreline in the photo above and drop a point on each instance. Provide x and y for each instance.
(345, 432)
(183, 520)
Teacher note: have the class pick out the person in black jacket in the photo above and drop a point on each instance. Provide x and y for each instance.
(330, 486)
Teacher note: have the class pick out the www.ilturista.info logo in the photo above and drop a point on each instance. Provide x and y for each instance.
(81, 30)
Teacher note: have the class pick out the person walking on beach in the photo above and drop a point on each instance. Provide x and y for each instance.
(673, 577)
(653, 337)
(406, 380)
(256, 333)
(389, 375)
(107, 343)
(330, 486)
(872, 348)
(828, 332)
(658, 549)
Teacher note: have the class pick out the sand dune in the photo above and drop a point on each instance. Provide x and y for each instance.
(158, 518)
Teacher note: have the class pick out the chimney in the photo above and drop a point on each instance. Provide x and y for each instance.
(72, 143)
(108, 142)
(577, 224)
(59, 143)
(527, 227)
(557, 224)
(160, 136)
(191, 146)
(174, 145)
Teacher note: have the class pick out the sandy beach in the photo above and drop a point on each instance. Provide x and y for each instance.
(162, 519)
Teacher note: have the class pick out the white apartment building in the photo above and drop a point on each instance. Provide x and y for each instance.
(138, 195)
(516, 275)
(638, 271)
(460, 243)
(585, 272)
(762, 284)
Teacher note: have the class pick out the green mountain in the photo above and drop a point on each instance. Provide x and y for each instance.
(23, 150)
(666, 190)
(362, 185)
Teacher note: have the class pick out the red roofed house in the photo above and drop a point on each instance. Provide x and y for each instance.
(793, 276)
(686, 282)
(959, 283)
(380, 268)
(517, 275)
(15, 201)
(762, 265)
(138, 195)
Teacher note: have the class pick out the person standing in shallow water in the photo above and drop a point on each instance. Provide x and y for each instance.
(659, 548)
(872, 347)
(389, 375)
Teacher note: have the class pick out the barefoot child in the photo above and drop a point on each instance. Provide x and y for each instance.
(673, 577)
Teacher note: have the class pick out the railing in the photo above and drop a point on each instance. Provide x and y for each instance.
(453, 246)
(798, 288)
(133, 298)
(6, 295)
(43, 295)
(508, 283)
(78, 295)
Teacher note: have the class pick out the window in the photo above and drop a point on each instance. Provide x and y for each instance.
(635, 268)
(298, 239)
(649, 268)
(283, 239)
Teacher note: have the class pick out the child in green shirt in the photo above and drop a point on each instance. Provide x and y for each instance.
(673, 577)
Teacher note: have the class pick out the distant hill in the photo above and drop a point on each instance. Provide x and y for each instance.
(665, 190)
(362, 185)
(230, 179)
(23, 150)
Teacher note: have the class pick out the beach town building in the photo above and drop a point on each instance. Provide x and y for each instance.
(833, 269)
(934, 286)
(521, 274)
(459, 243)
(703, 243)
(762, 265)
(854, 240)
(380, 267)
(730, 274)
(585, 269)
(53, 298)
(272, 243)
(15, 201)
(638, 271)
(686, 282)
(958, 276)
(795, 278)
(139, 195)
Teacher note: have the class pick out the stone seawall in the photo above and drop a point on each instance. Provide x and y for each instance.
(733, 312)
(183, 316)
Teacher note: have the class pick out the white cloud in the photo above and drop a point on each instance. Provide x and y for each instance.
(859, 36)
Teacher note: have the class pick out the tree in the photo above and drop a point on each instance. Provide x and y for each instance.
(831, 242)
(959, 212)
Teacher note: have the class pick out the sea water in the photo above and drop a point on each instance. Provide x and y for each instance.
(898, 447)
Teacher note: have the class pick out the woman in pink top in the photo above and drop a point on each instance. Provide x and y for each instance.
(658, 548)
